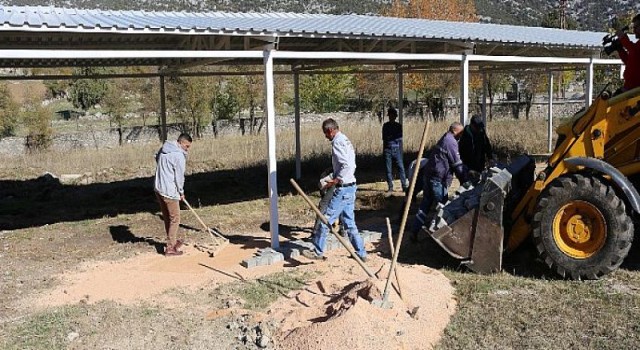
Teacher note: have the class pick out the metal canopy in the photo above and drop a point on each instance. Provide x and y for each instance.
(58, 37)
(52, 28)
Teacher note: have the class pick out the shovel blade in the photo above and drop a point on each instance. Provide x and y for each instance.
(381, 303)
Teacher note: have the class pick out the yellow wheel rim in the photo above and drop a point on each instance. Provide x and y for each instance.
(579, 229)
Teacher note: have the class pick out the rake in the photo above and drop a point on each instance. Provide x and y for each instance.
(219, 241)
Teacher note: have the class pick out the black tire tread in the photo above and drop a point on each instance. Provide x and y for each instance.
(603, 262)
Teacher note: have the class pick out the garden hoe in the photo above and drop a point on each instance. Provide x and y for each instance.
(219, 241)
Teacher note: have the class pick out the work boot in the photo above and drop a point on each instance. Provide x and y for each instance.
(310, 254)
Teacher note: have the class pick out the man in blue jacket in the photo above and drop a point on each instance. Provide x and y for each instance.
(443, 161)
(169, 187)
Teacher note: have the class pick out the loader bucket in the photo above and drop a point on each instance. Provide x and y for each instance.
(470, 226)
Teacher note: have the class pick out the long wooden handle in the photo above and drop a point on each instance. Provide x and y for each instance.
(206, 228)
(391, 246)
(405, 213)
(333, 230)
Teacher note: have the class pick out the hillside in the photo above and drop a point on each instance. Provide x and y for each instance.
(589, 14)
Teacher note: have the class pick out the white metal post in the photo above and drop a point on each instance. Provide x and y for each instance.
(271, 145)
(296, 104)
(400, 97)
(163, 111)
(588, 94)
(550, 115)
(464, 90)
(484, 98)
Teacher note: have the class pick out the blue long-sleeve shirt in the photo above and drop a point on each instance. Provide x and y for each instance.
(343, 158)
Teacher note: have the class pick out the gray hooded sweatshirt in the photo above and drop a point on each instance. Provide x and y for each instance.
(171, 162)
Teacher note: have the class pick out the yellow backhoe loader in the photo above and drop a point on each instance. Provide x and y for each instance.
(578, 210)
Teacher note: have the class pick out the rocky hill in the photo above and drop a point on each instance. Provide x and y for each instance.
(588, 14)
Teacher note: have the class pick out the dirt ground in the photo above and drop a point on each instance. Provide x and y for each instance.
(115, 290)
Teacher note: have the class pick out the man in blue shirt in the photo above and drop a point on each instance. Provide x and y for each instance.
(342, 203)
(392, 145)
(443, 161)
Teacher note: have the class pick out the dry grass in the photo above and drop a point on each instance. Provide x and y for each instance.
(512, 310)
(503, 311)
(235, 152)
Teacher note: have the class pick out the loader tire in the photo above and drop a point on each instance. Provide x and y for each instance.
(581, 228)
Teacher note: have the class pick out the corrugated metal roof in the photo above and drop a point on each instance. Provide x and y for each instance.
(27, 18)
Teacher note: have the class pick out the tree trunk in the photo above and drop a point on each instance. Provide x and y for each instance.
(120, 140)
(252, 115)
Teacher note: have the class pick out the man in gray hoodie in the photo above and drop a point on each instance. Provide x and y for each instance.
(169, 187)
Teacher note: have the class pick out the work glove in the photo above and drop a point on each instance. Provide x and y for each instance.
(325, 180)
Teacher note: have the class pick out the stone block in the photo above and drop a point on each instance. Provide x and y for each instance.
(249, 263)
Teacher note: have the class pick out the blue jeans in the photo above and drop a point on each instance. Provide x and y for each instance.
(435, 191)
(391, 154)
(341, 205)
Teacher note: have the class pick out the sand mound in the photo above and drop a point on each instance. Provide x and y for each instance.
(334, 313)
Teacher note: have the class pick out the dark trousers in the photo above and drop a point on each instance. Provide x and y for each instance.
(394, 154)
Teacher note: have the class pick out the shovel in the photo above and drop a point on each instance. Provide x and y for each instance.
(384, 302)
(219, 241)
(332, 229)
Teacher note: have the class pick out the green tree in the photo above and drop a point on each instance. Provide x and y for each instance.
(37, 120)
(8, 112)
(191, 101)
(224, 104)
(324, 92)
(149, 97)
(116, 102)
(247, 92)
(86, 93)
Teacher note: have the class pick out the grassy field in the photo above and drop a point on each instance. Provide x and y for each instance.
(56, 229)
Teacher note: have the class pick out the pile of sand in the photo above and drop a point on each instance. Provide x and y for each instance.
(332, 312)
(335, 312)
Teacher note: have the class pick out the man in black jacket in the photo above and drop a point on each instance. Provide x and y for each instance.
(392, 146)
(474, 145)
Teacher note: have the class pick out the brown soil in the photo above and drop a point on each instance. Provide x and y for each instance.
(336, 311)
(147, 275)
(111, 269)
